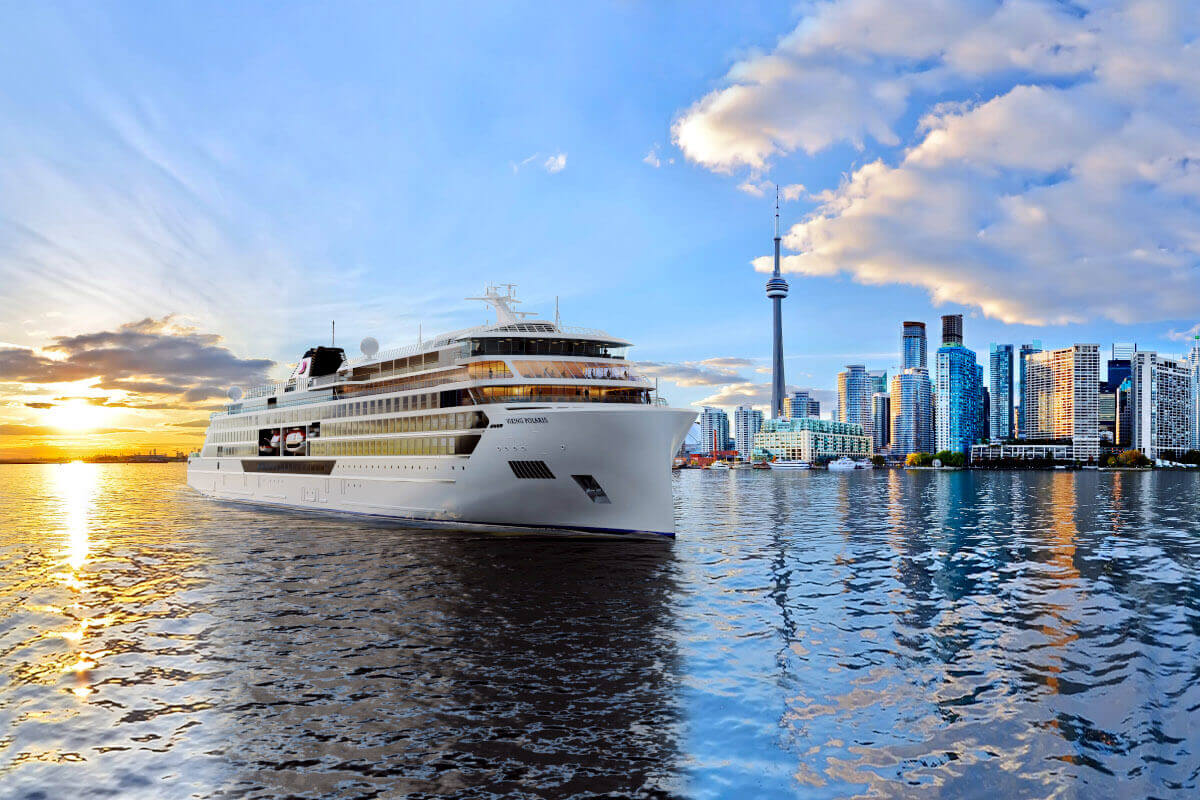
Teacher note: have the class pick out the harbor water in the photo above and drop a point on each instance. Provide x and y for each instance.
(808, 634)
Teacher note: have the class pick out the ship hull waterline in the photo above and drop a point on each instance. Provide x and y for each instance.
(625, 449)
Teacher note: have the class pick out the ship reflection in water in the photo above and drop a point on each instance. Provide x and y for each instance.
(809, 634)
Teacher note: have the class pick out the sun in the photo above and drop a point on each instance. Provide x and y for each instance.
(77, 415)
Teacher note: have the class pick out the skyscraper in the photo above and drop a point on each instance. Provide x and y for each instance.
(1025, 351)
(881, 418)
(1062, 391)
(952, 329)
(854, 397)
(911, 403)
(1194, 370)
(912, 412)
(959, 401)
(799, 405)
(777, 289)
(1123, 351)
(1000, 376)
(714, 430)
(746, 422)
(912, 347)
(879, 380)
(1161, 404)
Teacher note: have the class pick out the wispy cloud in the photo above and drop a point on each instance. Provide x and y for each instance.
(708, 372)
(553, 163)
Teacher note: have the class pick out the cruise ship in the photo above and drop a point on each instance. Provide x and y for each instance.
(525, 425)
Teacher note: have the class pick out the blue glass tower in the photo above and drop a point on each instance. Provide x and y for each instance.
(959, 391)
(1002, 406)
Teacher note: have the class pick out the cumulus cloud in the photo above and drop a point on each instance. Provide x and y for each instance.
(709, 372)
(555, 163)
(148, 356)
(1060, 186)
(652, 158)
(749, 393)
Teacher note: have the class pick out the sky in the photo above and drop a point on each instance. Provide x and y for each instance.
(190, 193)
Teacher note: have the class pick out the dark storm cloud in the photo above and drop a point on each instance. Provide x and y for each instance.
(149, 356)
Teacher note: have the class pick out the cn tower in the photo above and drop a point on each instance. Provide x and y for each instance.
(777, 289)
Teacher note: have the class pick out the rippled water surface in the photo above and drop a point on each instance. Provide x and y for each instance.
(808, 634)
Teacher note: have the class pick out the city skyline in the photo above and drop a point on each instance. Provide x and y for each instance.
(185, 214)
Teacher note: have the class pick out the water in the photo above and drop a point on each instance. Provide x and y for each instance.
(884, 634)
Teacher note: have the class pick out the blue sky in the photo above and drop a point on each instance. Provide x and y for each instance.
(258, 170)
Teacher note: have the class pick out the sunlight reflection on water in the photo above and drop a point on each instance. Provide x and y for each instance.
(809, 634)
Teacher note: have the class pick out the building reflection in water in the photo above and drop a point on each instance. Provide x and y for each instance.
(424, 663)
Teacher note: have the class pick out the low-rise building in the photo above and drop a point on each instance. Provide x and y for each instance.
(983, 453)
(811, 439)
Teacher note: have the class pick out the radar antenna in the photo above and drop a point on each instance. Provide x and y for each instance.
(505, 315)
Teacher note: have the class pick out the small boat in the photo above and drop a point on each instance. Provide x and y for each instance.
(845, 464)
(790, 463)
(719, 464)
(761, 465)
(740, 465)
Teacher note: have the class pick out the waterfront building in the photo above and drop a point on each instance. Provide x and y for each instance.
(985, 416)
(912, 412)
(881, 419)
(854, 397)
(810, 439)
(1025, 351)
(714, 431)
(1108, 413)
(999, 451)
(1062, 398)
(746, 422)
(913, 346)
(1123, 432)
(879, 380)
(777, 289)
(1000, 376)
(799, 404)
(1194, 371)
(959, 399)
(1160, 403)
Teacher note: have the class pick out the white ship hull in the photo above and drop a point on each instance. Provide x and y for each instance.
(627, 449)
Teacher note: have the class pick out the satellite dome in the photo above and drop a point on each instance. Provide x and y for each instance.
(369, 346)
(235, 393)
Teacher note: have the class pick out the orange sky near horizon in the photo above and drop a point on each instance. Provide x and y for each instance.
(149, 384)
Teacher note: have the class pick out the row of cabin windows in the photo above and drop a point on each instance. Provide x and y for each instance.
(387, 405)
(414, 446)
(237, 450)
(227, 437)
(430, 422)
(520, 346)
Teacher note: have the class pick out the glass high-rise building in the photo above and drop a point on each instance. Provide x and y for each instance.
(714, 430)
(1000, 376)
(911, 407)
(1194, 370)
(1123, 351)
(913, 346)
(1062, 398)
(959, 402)
(881, 417)
(854, 397)
(799, 405)
(746, 422)
(1025, 351)
(1160, 402)
(879, 380)
(952, 329)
